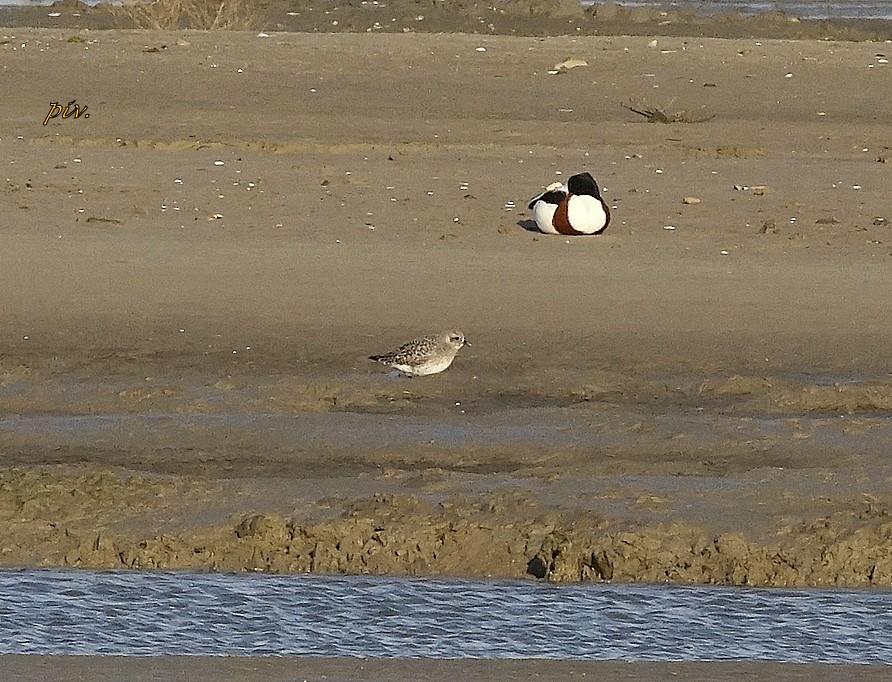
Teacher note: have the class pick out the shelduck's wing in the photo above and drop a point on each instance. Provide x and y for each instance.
(553, 196)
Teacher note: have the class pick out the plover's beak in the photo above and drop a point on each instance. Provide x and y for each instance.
(466, 343)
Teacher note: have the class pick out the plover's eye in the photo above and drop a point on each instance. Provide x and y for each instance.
(455, 338)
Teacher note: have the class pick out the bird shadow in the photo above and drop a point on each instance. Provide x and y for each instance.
(528, 225)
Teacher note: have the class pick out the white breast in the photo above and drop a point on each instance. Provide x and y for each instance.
(586, 214)
(433, 365)
(543, 212)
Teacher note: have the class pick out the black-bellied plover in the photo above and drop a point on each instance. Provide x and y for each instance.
(427, 355)
(571, 209)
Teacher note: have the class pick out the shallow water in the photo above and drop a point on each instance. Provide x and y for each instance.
(138, 613)
(806, 9)
(803, 9)
(602, 426)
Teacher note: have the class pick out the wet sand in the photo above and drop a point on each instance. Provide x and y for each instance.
(27, 668)
(198, 270)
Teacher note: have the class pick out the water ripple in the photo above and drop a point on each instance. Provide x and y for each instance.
(137, 614)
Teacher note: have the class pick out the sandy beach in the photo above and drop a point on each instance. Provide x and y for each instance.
(196, 267)
(29, 668)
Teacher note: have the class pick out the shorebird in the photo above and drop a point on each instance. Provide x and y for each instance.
(427, 355)
(571, 209)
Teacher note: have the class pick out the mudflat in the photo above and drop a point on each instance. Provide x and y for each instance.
(195, 268)
(99, 669)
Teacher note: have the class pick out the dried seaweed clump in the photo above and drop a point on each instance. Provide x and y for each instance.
(668, 113)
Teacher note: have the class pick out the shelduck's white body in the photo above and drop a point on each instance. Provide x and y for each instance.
(572, 209)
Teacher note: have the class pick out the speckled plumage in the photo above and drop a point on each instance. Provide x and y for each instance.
(426, 355)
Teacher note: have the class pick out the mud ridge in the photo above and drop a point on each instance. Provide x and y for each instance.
(104, 519)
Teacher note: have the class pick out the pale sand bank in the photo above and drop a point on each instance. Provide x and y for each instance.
(193, 669)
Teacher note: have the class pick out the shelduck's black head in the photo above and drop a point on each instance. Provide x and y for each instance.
(584, 183)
